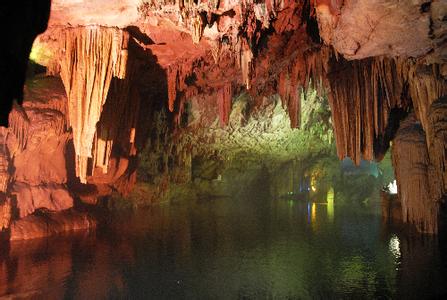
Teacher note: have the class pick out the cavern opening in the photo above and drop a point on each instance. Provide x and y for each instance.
(223, 149)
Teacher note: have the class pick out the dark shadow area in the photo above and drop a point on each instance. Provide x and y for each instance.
(382, 142)
(22, 20)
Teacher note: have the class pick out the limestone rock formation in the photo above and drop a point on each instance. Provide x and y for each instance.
(54, 197)
(47, 224)
(93, 56)
(5, 212)
(35, 143)
(224, 97)
(364, 28)
(437, 147)
(4, 163)
(413, 172)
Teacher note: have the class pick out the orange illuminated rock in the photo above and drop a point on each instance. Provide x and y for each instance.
(50, 223)
(93, 56)
(5, 212)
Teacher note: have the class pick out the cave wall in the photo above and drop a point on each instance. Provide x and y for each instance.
(34, 148)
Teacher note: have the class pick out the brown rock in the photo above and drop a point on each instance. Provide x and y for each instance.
(412, 170)
(5, 212)
(363, 28)
(50, 223)
(50, 196)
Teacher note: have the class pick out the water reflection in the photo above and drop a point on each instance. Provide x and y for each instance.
(330, 204)
(228, 248)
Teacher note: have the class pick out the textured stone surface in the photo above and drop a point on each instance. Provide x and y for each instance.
(5, 212)
(363, 28)
(413, 174)
(54, 197)
(43, 225)
(85, 12)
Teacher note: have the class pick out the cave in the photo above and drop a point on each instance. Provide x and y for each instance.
(223, 149)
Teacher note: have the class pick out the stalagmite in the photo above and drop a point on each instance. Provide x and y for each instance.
(412, 170)
(224, 101)
(93, 55)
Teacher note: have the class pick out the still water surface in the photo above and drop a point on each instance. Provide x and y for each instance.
(229, 249)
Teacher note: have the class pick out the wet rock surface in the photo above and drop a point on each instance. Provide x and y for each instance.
(46, 223)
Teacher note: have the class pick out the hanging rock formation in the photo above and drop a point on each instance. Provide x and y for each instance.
(363, 95)
(413, 172)
(437, 147)
(224, 97)
(93, 56)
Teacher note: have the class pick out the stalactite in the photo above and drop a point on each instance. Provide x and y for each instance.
(172, 74)
(119, 118)
(412, 170)
(117, 123)
(288, 91)
(426, 85)
(307, 67)
(298, 80)
(246, 58)
(215, 50)
(197, 29)
(224, 97)
(179, 91)
(93, 55)
(283, 87)
(362, 95)
(294, 108)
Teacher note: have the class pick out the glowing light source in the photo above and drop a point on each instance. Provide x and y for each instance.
(313, 183)
(394, 246)
(330, 204)
(314, 212)
(392, 187)
(40, 54)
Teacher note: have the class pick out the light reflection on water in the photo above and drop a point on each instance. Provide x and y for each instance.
(227, 249)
